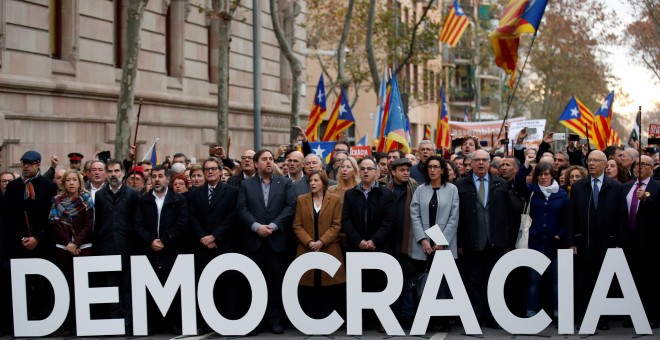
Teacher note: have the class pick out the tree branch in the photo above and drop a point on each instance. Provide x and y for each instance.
(371, 58)
(411, 47)
(327, 75)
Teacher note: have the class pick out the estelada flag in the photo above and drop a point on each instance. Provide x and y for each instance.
(455, 25)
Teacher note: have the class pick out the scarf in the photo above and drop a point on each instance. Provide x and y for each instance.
(551, 189)
(29, 187)
(65, 208)
(405, 240)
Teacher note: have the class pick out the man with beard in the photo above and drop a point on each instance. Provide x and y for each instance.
(114, 209)
(161, 223)
(28, 202)
(266, 205)
(215, 231)
(596, 215)
(97, 177)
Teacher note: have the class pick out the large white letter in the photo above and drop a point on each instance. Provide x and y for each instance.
(615, 263)
(444, 265)
(357, 300)
(22, 326)
(182, 277)
(86, 296)
(219, 265)
(300, 320)
(510, 261)
(565, 291)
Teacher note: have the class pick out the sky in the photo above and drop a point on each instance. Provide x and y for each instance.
(637, 80)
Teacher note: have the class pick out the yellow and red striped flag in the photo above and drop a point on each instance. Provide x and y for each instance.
(317, 113)
(444, 138)
(455, 24)
(341, 119)
(577, 118)
(603, 120)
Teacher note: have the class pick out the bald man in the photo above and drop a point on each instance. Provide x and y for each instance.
(596, 219)
(294, 163)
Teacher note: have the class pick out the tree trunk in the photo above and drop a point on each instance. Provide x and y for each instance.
(371, 55)
(411, 47)
(341, 50)
(220, 7)
(296, 65)
(135, 13)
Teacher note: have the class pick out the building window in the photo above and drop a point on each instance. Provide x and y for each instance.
(55, 28)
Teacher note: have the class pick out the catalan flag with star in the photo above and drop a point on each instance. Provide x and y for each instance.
(520, 16)
(341, 118)
(455, 25)
(317, 113)
(444, 137)
(577, 117)
(603, 121)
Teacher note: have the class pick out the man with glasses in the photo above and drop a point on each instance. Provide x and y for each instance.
(29, 199)
(247, 167)
(596, 216)
(485, 230)
(368, 219)
(642, 235)
(342, 146)
(426, 150)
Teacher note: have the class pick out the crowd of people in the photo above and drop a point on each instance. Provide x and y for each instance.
(273, 206)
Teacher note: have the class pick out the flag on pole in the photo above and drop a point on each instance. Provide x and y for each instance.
(576, 116)
(466, 116)
(396, 122)
(362, 141)
(455, 25)
(520, 16)
(386, 112)
(382, 92)
(444, 138)
(614, 138)
(323, 150)
(427, 131)
(341, 118)
(635, 134)
(603, 121)
(154, 154)
(317, 113)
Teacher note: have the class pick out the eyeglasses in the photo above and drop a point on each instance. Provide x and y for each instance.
(425, 149)
(480, 160)
(29, 163)
(590, 161)
(645, 164)
(212, 168)
(367, 168)
(434, 167)
(246, 157)
(5, 180)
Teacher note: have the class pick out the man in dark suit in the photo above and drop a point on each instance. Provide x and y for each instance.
(161, 222)
(266, 206)
(485, 229)
(213, 220)
(28, 202)
(641, 236)
(114, 234)
(596, 216)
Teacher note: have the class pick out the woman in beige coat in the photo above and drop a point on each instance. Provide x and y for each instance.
(317, 224)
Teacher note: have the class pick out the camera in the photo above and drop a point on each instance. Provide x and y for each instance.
(573, 137)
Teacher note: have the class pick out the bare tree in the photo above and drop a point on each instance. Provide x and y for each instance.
(135, 13)
(294, 62)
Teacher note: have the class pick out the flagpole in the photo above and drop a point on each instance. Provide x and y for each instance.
(639, 145)
(151, 149)
(515, 88)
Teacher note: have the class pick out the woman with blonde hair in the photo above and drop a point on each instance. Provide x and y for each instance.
(349, 177)
(71, 216)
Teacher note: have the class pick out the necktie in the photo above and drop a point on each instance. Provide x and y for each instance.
(482, 191)
(596, 191)
(210, 193)
(632, 215)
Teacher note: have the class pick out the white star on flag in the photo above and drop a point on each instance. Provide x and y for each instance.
(319, 152)
(459, 11)
(604, 106)
(574, 112)
(342, 109)
(320, 96)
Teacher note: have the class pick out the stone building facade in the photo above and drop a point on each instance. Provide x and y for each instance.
(60, 69)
